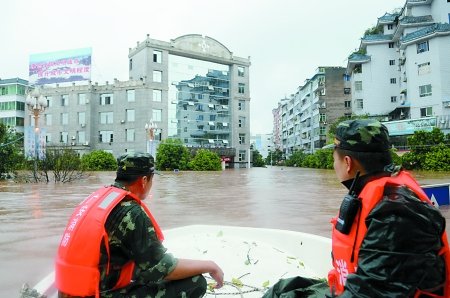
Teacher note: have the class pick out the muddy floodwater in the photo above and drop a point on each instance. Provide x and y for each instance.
(33, 216)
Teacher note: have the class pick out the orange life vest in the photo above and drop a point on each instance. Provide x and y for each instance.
(346, 247)
(77, 261)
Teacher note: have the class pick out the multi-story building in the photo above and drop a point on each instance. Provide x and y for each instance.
(12, 103)
(191, 88)
(263, 143)
(403, 71)
(205, 88)
(305, 115)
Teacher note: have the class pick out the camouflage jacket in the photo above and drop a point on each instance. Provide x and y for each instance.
(132, 237)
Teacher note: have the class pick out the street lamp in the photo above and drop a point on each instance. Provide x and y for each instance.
(150, 129)
(36, 104)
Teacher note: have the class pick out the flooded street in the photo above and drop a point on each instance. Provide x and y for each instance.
(33, 217)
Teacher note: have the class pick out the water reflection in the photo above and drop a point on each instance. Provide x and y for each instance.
(32, 217)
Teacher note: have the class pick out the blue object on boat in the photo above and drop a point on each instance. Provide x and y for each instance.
(439, 194)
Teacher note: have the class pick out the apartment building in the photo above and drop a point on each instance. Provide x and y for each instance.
(402, 71)
(12, 103)
(191, 88)
(305, 115)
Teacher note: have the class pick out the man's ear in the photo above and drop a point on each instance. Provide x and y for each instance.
(349, 164)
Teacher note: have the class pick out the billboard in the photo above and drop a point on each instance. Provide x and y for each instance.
(409, 126)
(34, 144)
(60, 67)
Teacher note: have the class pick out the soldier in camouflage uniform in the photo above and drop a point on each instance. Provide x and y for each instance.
(132, 236)
(396, 234)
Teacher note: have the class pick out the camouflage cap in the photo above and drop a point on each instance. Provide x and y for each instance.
(361, 135)
(135, 164)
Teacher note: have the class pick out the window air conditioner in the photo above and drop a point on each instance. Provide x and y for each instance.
(122, 121)
(83, 125)
(86, 144)
(73, 143)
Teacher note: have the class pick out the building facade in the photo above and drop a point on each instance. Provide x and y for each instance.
(402, 71)
(12, 103)
(191, 88)
(204, 87)
(305, 115)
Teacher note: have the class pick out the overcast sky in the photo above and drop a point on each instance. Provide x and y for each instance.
(285, 39)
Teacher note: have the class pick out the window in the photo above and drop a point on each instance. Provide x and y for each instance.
(347, 90)
(426, 112)
(241, 155)
(391, 62)
(423, 68)
(48, 119)
(48, 137)
(358, 85)
(82, 118)
(156, 115)
(212, 117)
(49, 101)
(241, 105)
(322, 117)
(81, 137)
(391, 45)
(130, 65)
(360, 103)
(322, 130)
(106, 117)
(130, 115)
(157, 76)
(347, 78)
(64, 137)
(157, 95)
(393, 98)
(131, 95)
(157, 56)
(64, 100)
(240, 71)
(393, 80)
(64, 118)
(82, 99)
(241, 122)
(241, 88)
(129, 135)
(105, 136)
(422, 47)
(348, 104)
(241, 138)
(390, 26)
(425, 90)
(106, 99)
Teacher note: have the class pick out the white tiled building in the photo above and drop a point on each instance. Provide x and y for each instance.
(403, 70)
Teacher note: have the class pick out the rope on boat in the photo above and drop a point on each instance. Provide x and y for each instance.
(238, 290)
(27, 292)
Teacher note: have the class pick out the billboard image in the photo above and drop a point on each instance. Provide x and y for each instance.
(60, 67)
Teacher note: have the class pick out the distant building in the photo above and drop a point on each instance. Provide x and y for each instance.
(402, 71)
(191, 88)
(263, 143)
(12, 103)
(305, 116)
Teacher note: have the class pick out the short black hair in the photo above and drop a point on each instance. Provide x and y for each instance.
(370, 161)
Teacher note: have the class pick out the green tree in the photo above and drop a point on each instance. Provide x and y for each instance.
(422, 143)
(10, 151)
(205, 160)
(296, 159)
(324, 158)
(98, 160)
(172, 154)
(275, 157)
(438, 159)
(257, 159)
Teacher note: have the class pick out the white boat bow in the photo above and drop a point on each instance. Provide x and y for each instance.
(252, 259)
